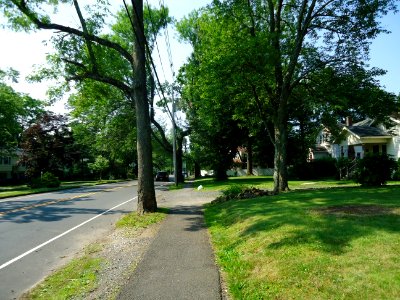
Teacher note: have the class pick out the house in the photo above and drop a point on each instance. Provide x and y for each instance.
(358, 139)
(10, 170)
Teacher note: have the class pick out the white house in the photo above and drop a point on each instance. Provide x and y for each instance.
(9, 167)
(358, 139)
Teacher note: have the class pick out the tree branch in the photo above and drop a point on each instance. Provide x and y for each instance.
(22, 6)
(105, 79)
(86, 35)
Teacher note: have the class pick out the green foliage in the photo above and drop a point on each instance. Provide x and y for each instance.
(100, 165)
(374, 169)
(50, 180)
(273, 65)
(17, 111)
(396, 174)
(232, 191)
(47, 180)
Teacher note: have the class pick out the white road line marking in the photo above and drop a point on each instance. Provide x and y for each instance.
(60, 235)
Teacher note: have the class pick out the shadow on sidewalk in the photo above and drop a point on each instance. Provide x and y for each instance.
(194, 217)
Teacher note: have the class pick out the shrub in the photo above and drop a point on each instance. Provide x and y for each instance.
(374, 170)
(396, 174)
(232, 191)
(47, 180)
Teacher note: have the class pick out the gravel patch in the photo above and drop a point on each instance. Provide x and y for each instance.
(122, 250)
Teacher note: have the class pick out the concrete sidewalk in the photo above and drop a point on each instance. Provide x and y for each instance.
(179, 264)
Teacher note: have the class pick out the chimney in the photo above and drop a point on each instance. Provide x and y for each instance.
(349, 121)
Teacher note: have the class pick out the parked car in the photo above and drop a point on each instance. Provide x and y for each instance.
(162, 176)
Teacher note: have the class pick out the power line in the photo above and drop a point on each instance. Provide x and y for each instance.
(167, 42)
(149, 55)
(155, 39)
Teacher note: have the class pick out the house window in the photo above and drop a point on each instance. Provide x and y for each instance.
(384, 149)
(375, 149)
(5, 160)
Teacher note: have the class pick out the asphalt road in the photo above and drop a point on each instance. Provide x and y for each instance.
(39, 233)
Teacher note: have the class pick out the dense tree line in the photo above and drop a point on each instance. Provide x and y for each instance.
(263, 75)
(281, 68)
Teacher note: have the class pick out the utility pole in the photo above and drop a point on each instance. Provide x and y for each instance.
(174, 140)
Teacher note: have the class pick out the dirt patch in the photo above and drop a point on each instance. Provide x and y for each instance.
(357, 210)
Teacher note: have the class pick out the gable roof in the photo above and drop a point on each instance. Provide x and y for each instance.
(367, 131)
(366, 122)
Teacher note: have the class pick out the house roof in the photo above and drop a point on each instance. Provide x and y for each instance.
(366, 122)
(318, 148)
(367, 131)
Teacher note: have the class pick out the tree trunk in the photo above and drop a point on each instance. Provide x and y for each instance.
(280, 167)
(197, 170)
(146, 194)
(280, 157)
(249, 157)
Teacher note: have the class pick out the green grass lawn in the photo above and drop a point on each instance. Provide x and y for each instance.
(267, 182)
(341, 243)
(21, 190)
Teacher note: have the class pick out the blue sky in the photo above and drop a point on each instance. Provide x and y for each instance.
(21, 51)
(385, 52)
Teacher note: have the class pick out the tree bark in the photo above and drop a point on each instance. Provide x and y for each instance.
(281, 136)
(197, 170)
(249, 157)
(146, 194)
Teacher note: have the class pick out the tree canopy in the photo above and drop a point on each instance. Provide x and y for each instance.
(17, 111)
(267, 53)
(86, 53)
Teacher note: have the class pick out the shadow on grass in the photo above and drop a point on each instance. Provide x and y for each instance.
(294, 216)
(245, 180)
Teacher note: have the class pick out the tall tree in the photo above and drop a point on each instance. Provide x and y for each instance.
(289, 41)
(46, 146)
(83, 54)
(17, 111)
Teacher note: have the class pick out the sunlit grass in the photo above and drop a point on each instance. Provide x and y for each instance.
(75, 280)
(267, 182)
(283, 247)
(133, 220)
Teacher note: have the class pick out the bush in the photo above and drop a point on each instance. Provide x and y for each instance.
(374, 170)
(316, 169)
(47, 180)
(232, 191)
(396, 174)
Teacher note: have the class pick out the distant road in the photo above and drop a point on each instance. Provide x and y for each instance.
(39, 233)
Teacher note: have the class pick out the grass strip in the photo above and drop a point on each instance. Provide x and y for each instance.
(75, 280)
(133, 220)
(23, 190)
(80, 276)
(267, 182)
(315, 244)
